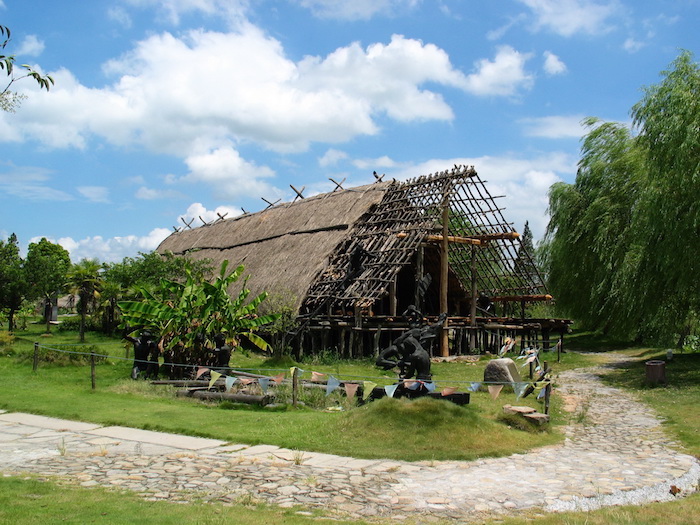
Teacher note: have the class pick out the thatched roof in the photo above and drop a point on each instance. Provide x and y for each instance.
(286, 246)
(345, 248)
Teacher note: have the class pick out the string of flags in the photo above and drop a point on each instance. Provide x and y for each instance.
(351, 388)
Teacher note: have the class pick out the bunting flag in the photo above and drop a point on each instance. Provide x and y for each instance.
(264, 383)
(367, 387)
(332, 384)
(390, 389)
(495, 390)
(474, 387)
(214, 377)
(448, 390)
(317, 377)
(430, 386)
(351, 389)
(246, 380)
(519, 389)
(542, 393)
(278, 378)
(412, 385)
(200, 371)
(230, 381)
(292, 370)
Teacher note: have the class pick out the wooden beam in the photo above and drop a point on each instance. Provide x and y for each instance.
(450, 238)
(504, 298)
(496, 236)
(444, 273)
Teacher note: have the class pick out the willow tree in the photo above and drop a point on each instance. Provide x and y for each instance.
(621, 248)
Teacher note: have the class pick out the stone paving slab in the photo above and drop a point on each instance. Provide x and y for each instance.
(156, 438)
(45, 422)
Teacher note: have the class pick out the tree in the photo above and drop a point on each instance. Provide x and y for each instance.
(46, 268)
(13, 285)
(84, 279)
(623, 242)
(10, 100)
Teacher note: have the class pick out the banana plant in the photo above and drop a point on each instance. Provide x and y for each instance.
(191, 312)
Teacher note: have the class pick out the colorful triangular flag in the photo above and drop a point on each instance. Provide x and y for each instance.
(230, 381)
(390, 389)
(317, 377)
(278, 378)
(351, 389)
(200, 371)
(264, 383)
(367, 387)
(214, 376)
(332, 384)
(429, 385)
(495, 390)
(519, 389)
(449, 390)
(474, 386)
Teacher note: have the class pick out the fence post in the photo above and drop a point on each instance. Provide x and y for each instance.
(548, 390)
(92, 369)
(295, 387)
(35, 365)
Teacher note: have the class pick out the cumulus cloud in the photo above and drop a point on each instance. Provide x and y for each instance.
(331, 158)
(357, 9)
(569, 17)
(113, 249)
(30, 46)
(554, 127)
(200, 214)
(553, 65)
(502, 76)
(172, 11)
(228, 174)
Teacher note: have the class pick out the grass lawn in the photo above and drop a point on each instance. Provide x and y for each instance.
(439, 430)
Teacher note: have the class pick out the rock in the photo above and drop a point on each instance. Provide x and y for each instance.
(508, 409)
(501, 370)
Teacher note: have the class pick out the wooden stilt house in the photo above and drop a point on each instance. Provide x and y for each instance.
(352, 260)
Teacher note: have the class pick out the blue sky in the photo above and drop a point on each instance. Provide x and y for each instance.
(165, 110)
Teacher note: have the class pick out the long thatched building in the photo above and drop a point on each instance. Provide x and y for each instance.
(351, 261)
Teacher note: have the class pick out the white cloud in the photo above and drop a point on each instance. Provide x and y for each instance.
(632, 46)
(121, 16)
(113, 249)
(30, 46)
(524, 182)
(228, 174)
(503, 76)
(383, 162)
(30, 183)
(357, 9)
(94, 193)
(553, 65)
(554, 127)
(151, 194)
(171, 11)
(568, 17)
(200, 214)
(331, 158)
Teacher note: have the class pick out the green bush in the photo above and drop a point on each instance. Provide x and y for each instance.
(72, 324)
(6, 343)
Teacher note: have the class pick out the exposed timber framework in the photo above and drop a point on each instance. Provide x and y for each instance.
(353, 260)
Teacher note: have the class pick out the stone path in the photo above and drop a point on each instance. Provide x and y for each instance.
(615, 453)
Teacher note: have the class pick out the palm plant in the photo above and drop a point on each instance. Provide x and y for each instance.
(84, 280)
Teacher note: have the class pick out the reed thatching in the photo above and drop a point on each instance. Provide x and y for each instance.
(284, 247)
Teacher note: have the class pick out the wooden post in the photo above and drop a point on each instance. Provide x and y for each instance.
(472, 312)
(417, 299)
(392, 297)
(560, 344)
(444, 273)
(377, 341)
(295, 386)
(35, 365)
(92, 369)
(548, 390)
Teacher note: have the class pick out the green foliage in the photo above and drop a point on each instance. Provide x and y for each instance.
(13, 282)
(84, 279)
(9, 100)
(623, 243)
(185, 312)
